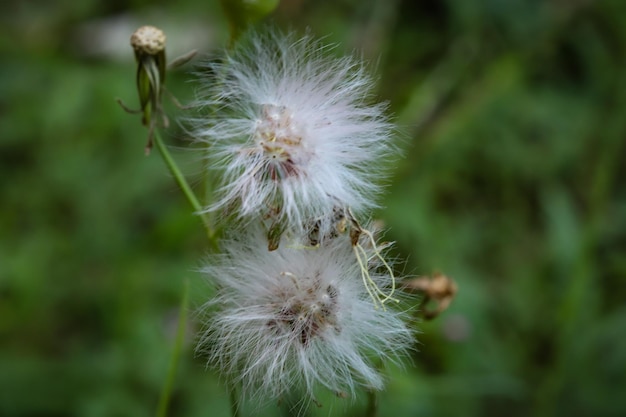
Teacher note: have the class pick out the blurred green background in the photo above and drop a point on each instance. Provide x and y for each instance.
(512, 117)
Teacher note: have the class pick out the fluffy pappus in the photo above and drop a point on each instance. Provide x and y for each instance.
(299, 318)
(291, 130)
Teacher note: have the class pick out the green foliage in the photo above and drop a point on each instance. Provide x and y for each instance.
(243, 13)
(512, 117)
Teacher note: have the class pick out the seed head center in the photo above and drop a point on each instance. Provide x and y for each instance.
(309, 313)
(278, 138)
(277, 133)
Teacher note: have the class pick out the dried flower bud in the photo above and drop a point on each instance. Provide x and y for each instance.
(148, 40)
(438, 288)
(148, 44)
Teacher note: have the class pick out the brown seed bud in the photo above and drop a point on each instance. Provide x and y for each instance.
(148, 40)
(438, 288)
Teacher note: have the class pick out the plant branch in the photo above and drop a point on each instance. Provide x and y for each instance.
(184, 186)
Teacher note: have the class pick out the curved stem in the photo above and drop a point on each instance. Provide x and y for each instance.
(164, 398)
(184, 186)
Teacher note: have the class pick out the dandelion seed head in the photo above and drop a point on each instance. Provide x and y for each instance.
(293, 132)
(297, 318)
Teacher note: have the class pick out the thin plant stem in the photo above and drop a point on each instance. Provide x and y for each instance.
(184, 186)
(166, 393)
(232, 394)
(372, 404)
(372, 395)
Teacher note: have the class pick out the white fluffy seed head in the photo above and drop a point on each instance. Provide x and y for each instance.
(297, 318)
(292, 132)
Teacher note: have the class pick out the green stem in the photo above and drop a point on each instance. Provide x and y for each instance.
(372, 404)
(232, 393)
(166, 393)
(184, 186)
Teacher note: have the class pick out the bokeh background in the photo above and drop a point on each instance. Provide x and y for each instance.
(512, 117)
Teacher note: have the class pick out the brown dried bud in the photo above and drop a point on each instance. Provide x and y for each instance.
(438, 288)
(148, 40)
